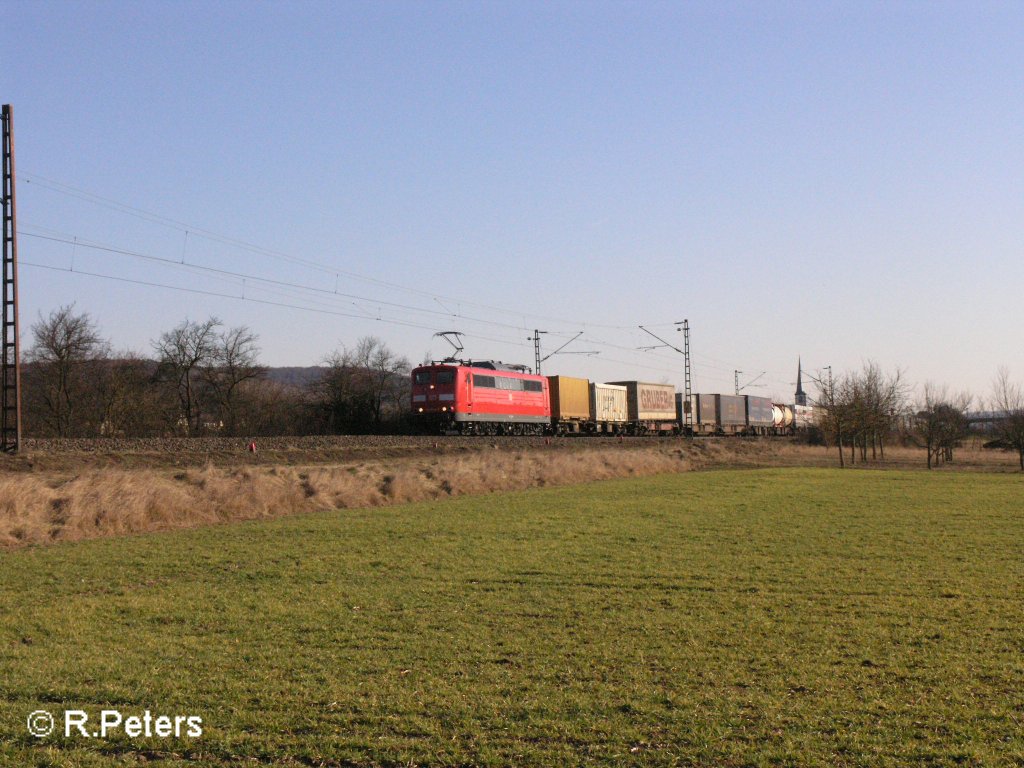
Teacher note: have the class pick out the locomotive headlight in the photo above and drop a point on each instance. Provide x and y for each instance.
(421, 409)
(444, 407)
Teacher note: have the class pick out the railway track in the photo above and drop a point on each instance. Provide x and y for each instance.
(69, 453)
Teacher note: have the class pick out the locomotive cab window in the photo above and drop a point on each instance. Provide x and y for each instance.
(533, 386)
(483, 381)
(445, 377)
(422, 377)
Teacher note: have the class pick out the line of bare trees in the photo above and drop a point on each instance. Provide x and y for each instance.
(861, 410)
(201, 379)
(1008, 401)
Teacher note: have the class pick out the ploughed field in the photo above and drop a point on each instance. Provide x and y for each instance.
(758, 617)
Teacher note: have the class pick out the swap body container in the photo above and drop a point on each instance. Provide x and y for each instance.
(705, 414)
(570, 401)
(732, 413)
(608, 408)
(760, 418)
(651, 406)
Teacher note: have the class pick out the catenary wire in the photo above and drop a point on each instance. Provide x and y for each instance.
(267, 282)
(190, 230)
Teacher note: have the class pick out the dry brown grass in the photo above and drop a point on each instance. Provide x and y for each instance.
(103, 502)
(44, 505)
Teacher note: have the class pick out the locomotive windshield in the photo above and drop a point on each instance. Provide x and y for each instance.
(445, 377)
(422, 377)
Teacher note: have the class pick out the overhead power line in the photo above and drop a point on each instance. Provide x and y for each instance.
(254, 300)
(80, 243)
(302, 292)
(305, 308)
(294, 289)
(190, 230)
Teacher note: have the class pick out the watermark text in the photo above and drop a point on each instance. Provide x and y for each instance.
(111, 722)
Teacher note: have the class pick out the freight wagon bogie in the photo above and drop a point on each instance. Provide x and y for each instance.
(661, 428)
(497, 428)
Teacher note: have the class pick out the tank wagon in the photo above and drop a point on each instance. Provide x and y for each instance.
(782, 415)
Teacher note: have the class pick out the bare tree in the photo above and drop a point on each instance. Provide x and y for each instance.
(233, 361)
(273, 408)
(65, 347)
(388, 377)
(130, 401)
(860, 409)
(835, 412)
(362, 387)
(1008, 402)
(184, 352)
(941, 421)
(877, 399)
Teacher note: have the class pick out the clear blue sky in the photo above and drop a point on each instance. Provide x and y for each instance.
(839, 181)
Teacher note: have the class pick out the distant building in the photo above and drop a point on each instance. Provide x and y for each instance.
(801, 396)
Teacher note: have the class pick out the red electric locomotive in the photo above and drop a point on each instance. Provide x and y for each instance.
(481, 398)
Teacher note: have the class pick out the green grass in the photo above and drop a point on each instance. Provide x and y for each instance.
(777, 617)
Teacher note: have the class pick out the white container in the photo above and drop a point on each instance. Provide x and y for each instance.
(608, 403)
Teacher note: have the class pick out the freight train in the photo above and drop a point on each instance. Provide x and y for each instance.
(491, 398)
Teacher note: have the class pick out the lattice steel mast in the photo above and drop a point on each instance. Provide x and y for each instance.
(10, 409)
(687, 382)
(684, 326)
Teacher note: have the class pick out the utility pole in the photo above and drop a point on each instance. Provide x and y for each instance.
(736, 381)
(10, 381)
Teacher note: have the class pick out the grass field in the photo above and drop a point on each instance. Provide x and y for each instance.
(768, 617)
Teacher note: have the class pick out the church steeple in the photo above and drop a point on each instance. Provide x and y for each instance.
(801, 396)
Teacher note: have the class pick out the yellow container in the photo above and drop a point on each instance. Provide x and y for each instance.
(570, 398)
